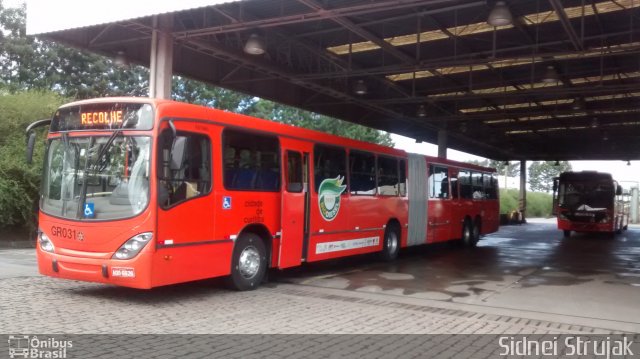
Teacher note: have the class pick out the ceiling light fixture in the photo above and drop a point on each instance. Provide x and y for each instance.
(422, 112)
(255, 45)
(500, 15)
(360, 88)
(594, 123)
(550, 75)
(578, 104)
(605, 135)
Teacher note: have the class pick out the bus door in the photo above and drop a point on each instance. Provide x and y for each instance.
(295, 202)
(186, 210)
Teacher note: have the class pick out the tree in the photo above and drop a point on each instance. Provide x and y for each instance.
(541, 174)
(27, 63)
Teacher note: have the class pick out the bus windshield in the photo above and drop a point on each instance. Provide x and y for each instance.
(88, 178)
(591, 195)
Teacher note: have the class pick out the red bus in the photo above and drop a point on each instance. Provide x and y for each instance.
(144, 193)
(589, 201)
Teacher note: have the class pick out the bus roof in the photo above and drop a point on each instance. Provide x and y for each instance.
(170, 108)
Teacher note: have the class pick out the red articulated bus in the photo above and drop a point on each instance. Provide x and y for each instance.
(144, 193)
(589, 201)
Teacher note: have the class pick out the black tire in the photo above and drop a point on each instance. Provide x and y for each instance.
(391, 244)
(468, 237)
(566, 233)
(477, 226)
(248, 264)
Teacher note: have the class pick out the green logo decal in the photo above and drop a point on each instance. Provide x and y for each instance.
(329, 197)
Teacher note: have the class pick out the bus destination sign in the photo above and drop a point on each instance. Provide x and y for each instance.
(103, 116)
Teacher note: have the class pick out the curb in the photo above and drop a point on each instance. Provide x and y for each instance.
(16, 244)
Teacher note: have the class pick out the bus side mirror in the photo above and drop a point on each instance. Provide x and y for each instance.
(31, 142)
(618, 190)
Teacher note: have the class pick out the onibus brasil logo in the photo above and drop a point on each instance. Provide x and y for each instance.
(329, 197)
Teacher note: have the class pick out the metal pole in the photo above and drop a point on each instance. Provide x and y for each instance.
(442, 144)
(634, 205)
(161, 69)
(522, 202)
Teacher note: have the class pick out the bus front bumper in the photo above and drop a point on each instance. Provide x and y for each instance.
(97, 267)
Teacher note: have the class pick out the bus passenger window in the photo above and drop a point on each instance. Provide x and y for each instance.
(490, 186)
(185, 167)
(329, 163)
(478, 186)
(438, 182)
(251, 161)
(454, 186)
(387, 176)
(403, 177)
(362, 177)
(464, 183)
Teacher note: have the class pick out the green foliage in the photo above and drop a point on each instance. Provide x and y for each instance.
(19, 182)
(37, 76)
(541, 174)
(538, 204)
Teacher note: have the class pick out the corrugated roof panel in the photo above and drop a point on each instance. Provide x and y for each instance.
(44, 16)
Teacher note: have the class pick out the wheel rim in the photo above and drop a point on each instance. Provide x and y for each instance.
(249, 262)
(392, 242)
(467, 233)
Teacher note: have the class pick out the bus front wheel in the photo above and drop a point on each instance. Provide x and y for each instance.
(249, 263)
(391, 245)
(567, 233)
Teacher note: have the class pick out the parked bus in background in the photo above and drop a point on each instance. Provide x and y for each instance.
(589, 201)
(145, 193)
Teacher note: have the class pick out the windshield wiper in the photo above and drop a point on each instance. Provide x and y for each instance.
(92, 169)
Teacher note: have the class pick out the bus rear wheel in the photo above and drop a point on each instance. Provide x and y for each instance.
(567, 233)
(391, 244)
(248, 264)
(469, 237)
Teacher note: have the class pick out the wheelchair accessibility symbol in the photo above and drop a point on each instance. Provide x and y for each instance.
(89, 210)
(226, 202)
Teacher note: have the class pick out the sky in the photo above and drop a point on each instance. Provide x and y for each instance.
(626, 174)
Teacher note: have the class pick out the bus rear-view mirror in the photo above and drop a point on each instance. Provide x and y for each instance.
(31, 142)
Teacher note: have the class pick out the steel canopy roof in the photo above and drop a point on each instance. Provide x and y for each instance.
(427, 65)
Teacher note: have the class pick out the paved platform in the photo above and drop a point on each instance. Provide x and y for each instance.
(523, 279)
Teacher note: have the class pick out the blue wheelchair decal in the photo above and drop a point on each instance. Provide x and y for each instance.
(89, 211)
(226, 202)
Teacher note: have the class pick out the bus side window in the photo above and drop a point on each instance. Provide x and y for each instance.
(454, 186)
(403, 177)
(185, 168)
(464, 183)
(362, 177)
(387, 176)
(251, 161)
(329, 163)
(478, 186)
(438, 182)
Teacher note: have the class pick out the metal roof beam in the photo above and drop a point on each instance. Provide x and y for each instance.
(566, 24)
(370, 7)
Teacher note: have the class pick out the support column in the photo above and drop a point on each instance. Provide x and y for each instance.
(634, 205)
(442, 143)
(522, 202)
(161, 60)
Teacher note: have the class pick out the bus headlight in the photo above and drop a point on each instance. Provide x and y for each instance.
(45, 243)
(133, 246)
